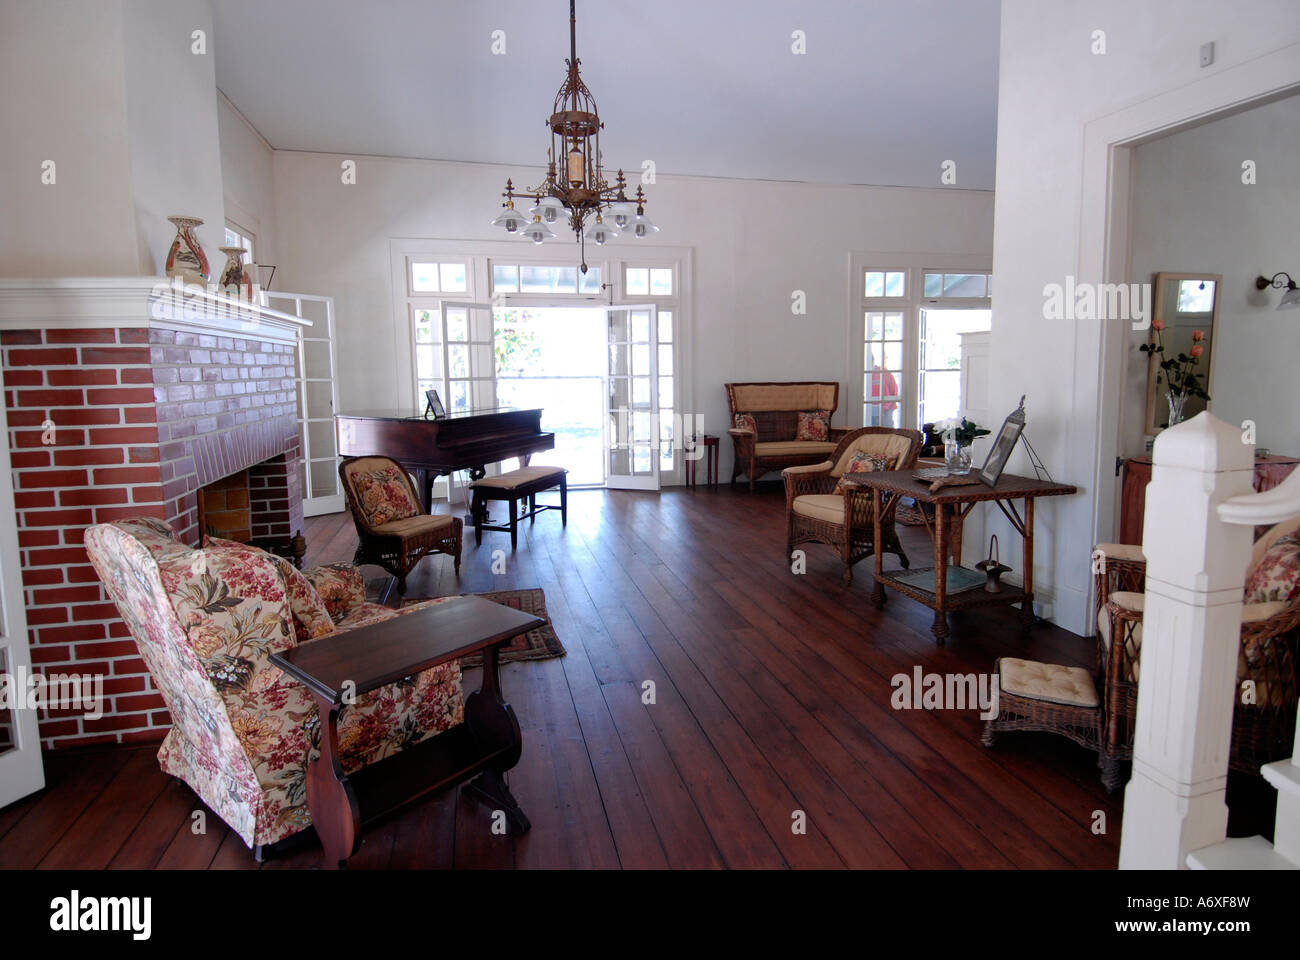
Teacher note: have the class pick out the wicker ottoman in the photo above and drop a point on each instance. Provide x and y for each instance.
(513, 487)
(1047, 697)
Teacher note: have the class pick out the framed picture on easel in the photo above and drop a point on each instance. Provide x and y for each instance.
(1012, 427)
(433, 405)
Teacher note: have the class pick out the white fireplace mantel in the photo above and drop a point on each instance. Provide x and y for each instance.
(82, 302)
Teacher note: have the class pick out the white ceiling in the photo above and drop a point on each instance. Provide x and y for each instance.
(887, 91)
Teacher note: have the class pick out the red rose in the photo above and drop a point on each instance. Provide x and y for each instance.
(1157, 324)
(1197, 350)
(1198, 336)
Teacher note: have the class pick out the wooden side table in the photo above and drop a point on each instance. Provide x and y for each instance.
(951, 505)
(354, 662)
(710, 444)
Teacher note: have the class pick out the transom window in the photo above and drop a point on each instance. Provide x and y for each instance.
(532, 278)
(439, 277)
(958, 285)
(885, 283)
(648, 282)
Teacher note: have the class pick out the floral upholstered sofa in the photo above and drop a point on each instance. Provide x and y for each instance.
(779, 425)
(206, 620)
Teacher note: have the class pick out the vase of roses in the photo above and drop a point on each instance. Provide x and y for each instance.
(958, 434)
(1179, 375)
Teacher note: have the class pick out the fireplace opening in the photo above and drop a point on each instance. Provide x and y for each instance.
(225, 508)
(251, 506)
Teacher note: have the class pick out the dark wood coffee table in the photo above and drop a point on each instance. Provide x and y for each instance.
(951, 505)
(354, 662)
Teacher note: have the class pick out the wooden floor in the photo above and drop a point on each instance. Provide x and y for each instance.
(771, 696)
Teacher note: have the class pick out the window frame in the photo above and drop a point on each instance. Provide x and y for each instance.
(914, 266)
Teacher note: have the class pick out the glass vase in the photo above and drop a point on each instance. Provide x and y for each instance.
(957, 458)
(1177, 401)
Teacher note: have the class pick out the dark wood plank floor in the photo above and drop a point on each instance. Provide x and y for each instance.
(771, 697)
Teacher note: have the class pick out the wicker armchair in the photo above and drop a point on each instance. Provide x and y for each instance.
(1098, 709)
(392, 531)
(817, 513)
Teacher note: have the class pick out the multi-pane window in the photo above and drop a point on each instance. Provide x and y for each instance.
(237, 236)
(648, 282)
(884, 283)
(439, 277)
(532, 278)
(882, 385)
(971, 286)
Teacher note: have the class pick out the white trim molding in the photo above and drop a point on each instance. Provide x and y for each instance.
(85, 302)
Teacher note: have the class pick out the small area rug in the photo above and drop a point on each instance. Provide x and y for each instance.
(539, 644)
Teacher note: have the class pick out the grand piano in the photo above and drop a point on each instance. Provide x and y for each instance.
(468, 440)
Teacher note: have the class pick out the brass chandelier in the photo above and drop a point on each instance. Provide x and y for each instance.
(582, 191)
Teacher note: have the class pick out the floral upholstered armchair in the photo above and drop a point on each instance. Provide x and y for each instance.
(206, 620)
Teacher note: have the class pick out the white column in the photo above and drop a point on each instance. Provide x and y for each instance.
(1191, 630)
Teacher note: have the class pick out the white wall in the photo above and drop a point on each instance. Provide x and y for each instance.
(247, 175)
(171, 114)
(1051, 86)
(63, 98)
(1192, 213)
(755, 243)
(110, 91)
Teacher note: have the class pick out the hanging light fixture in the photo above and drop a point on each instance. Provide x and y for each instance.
(575, 186)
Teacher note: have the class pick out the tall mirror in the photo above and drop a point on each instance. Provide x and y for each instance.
(1186, 307)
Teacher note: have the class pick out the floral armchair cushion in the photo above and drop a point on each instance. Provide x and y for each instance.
(383, 494)
(862, 462)
(745, 421)
(340, 587)
(1277, 575)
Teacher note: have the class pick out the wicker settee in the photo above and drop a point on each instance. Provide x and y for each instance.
(765, 425)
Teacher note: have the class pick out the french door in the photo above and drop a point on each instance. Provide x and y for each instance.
(317, 399)
(21, 772)
(632, 428)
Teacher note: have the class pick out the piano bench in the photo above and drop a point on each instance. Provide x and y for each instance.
(512, 487)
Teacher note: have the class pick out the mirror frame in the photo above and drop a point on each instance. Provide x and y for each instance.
(1157, 304)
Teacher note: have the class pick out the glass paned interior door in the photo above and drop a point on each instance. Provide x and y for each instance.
(883, 376)
(21, 771)
(317, 400)
(632, 425)
(468, 357)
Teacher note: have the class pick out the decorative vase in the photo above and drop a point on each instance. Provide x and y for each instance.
(957, 458)
(235, 281)
(186, 258)
(1176, 403)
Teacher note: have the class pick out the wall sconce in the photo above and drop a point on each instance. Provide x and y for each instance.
(1291, 299)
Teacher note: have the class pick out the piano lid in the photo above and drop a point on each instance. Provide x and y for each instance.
(404, 415)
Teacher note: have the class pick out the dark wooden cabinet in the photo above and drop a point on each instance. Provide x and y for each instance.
(1269, 472)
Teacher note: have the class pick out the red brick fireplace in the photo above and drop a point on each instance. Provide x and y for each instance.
(126, 408)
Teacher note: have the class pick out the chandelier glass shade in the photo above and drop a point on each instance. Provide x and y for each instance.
(576, 188)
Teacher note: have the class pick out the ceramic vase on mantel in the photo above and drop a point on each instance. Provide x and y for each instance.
(186, 259)
(235, 280)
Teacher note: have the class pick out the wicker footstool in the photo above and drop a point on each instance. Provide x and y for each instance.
(1047, 697)
(517, 485)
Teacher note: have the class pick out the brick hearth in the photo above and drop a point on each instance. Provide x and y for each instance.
(129, 421)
